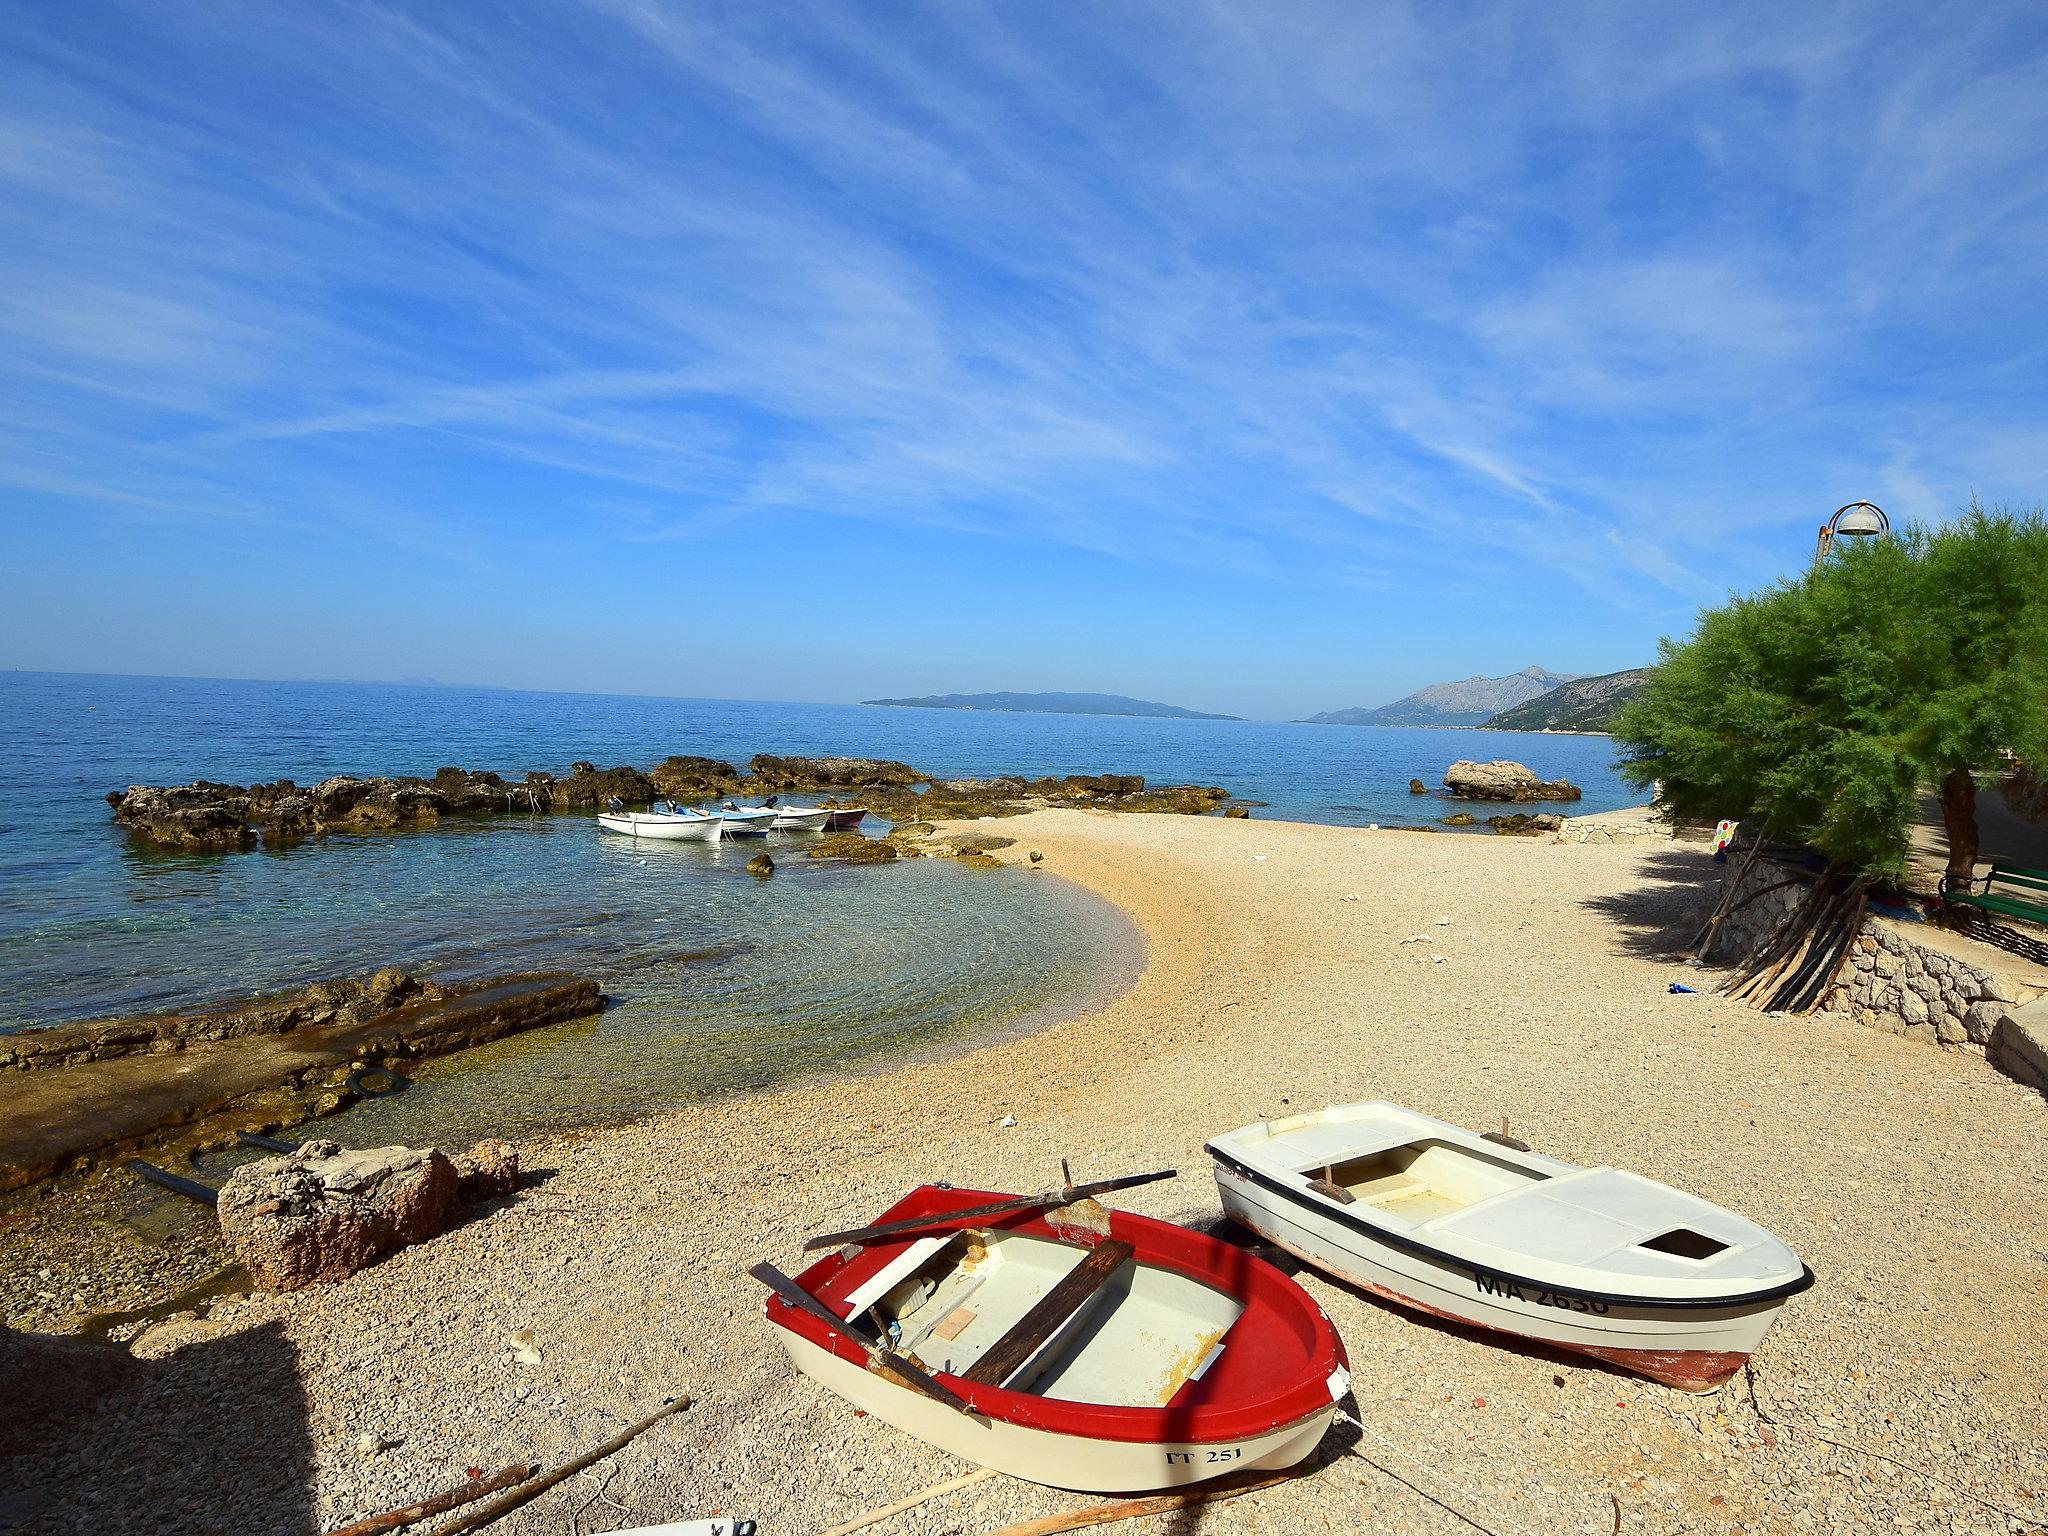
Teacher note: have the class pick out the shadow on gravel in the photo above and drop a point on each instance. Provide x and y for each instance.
(1659, 918)
(212, 1438)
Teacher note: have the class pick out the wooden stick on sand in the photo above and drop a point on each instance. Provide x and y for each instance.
(1133, 1509)
(525, 1493)
(440, 1503)
(922, 1496)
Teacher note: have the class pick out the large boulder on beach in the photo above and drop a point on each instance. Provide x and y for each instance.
(1502, 780)
(322, 1213)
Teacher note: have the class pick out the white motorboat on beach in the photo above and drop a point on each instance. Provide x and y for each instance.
(1443, 1220)
(670, 826)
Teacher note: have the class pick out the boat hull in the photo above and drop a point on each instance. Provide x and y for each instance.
(746, 826)
(1692, 1348)
(845, 820)
(1079, 1462)
(665, 829)
(801, 821)
(1169, 1399)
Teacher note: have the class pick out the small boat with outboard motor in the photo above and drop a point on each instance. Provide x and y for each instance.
(746, 821)
(666, 823)
(844, 818)
(795, 818)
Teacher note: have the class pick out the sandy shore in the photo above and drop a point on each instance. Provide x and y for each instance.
(1910, 1178)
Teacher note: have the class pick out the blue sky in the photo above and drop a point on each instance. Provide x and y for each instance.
(1262, 358)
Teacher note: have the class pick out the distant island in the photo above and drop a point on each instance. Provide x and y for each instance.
(1583, 704)
(1472, 702)
(1052, 704)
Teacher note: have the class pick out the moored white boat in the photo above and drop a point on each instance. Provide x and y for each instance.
(800, 818)
(746, 821)
(664, 826)
(1078, 1347)
(1596, 1260)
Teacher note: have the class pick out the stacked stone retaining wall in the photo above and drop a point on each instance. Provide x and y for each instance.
(1902, 977)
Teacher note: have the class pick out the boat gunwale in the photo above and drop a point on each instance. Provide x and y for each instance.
(1356, 1221)
(1244, 1276)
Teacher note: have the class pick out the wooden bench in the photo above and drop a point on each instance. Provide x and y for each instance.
(2010, 890)
(1027, 1335)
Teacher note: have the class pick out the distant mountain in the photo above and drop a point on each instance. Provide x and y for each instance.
(1474, 701)
(1052, 704)
(1583, 704)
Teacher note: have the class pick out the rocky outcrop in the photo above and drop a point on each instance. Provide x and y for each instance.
(322, 1213)
(589, 785)
(209, 815)
(204, 814)
(760, 866)
(166, 1086)
(1013, 795)
(1523, 825)
(201, 814)
(694, 778)
(344, 1000)
(772, 774)
(1417, 787)
(1502, 780)
(922, 840)
(853, 848)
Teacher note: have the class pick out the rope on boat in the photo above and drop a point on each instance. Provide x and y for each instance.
(1500, 1529)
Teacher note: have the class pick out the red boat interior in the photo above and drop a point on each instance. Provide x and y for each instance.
(1146, 1331)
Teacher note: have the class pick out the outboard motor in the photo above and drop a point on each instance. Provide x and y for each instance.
(614, 803)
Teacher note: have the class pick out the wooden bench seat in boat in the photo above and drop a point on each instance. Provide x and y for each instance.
(1028, 1334)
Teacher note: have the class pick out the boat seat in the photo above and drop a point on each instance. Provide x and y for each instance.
(1025, 1337)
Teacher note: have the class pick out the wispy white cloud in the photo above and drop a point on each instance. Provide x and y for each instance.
(1310, 293)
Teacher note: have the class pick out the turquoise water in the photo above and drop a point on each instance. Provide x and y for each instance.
(721, 982)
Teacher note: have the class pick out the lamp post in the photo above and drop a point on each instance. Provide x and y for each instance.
(1858, 520)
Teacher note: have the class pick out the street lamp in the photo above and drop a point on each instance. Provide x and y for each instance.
(1858, 520)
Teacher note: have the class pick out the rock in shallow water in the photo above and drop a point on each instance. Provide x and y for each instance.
(1503, 780)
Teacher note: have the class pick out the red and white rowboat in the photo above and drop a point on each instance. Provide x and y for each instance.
(1080, 1347)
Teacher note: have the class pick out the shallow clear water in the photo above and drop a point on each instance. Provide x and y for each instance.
(721, 981)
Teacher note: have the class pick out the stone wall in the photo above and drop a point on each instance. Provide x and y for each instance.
(1905, 978)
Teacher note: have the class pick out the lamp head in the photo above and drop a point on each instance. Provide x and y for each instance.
(1859, 520)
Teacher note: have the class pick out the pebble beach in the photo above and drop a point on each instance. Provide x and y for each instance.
(1287, 966)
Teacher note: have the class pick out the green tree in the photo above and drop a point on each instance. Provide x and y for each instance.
(1830, 703)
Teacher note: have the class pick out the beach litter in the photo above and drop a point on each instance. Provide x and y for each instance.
(525, 1347)
(1679, 986)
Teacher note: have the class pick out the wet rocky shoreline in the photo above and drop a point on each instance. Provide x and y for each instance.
(206, 814)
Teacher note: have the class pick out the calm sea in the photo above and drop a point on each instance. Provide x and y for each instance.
(721, 982)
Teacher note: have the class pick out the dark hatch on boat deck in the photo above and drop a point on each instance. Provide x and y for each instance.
(1685, 1243)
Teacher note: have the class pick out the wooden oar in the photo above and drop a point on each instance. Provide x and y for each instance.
(1051, 1197)
(885, 1363)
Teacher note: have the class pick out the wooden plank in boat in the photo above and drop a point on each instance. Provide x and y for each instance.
(1024, 1337)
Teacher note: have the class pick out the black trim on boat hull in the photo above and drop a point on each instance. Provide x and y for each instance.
(1366, 1229)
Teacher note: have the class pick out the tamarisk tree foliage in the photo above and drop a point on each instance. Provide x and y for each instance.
(1831, 703)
